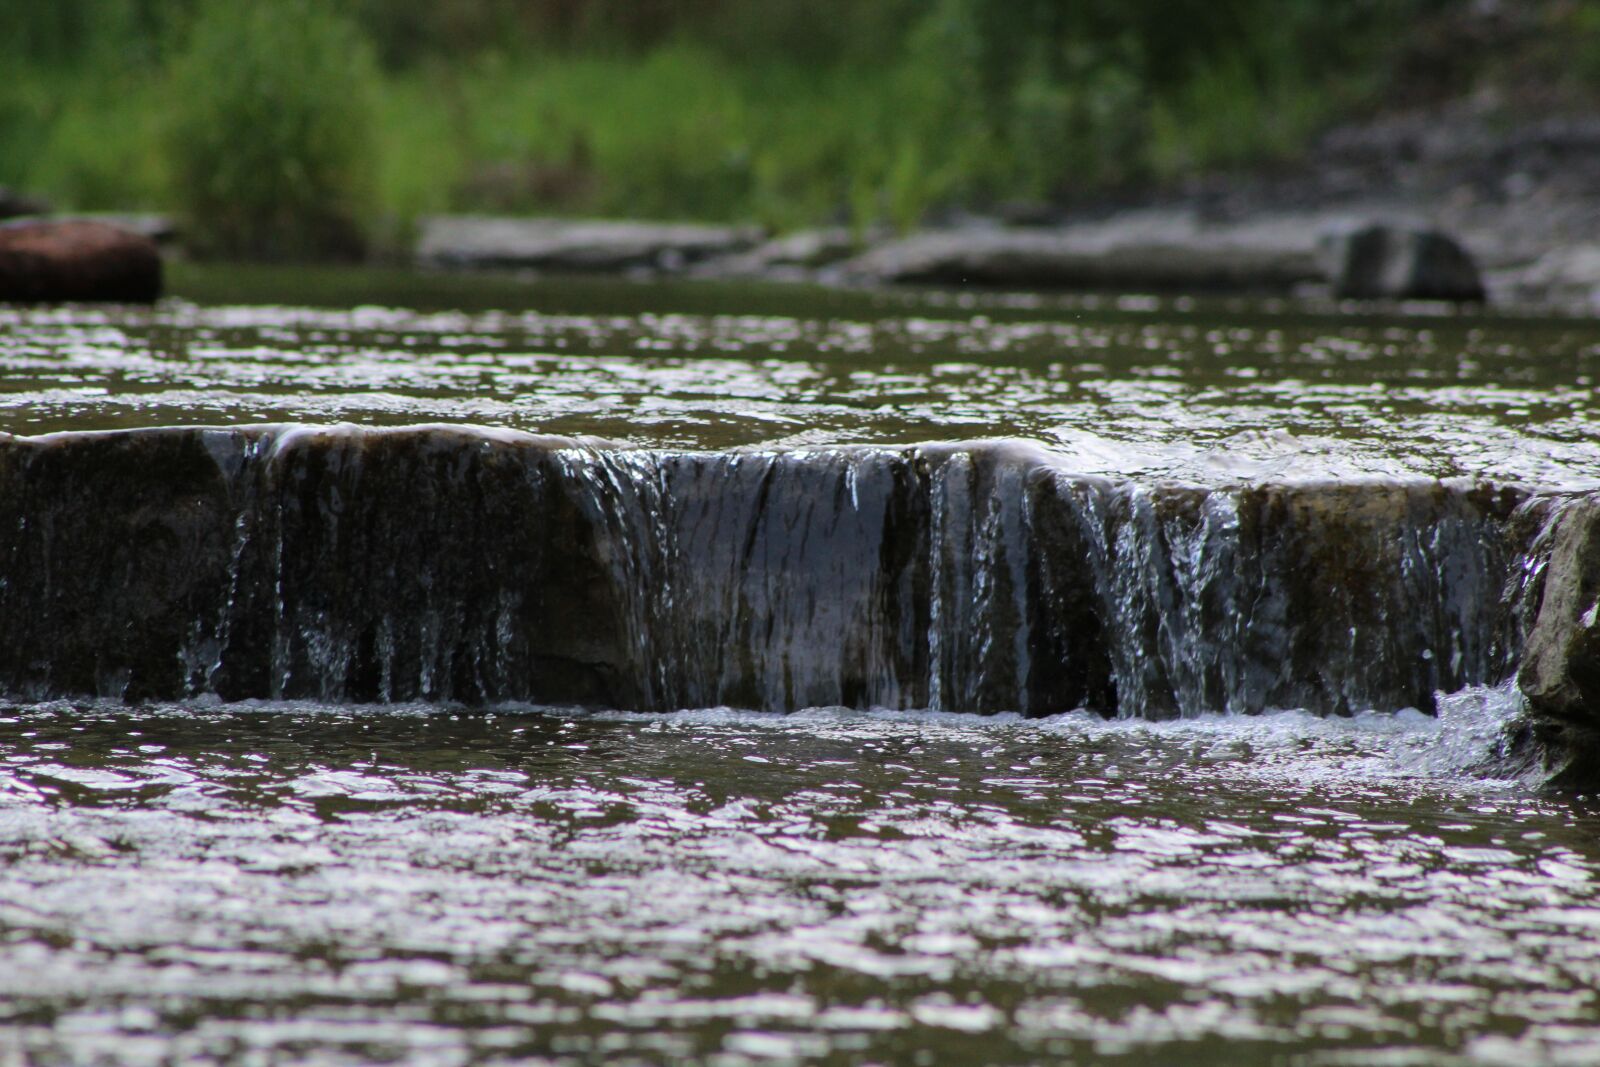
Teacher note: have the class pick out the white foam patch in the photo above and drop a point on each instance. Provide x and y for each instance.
(1463, 747)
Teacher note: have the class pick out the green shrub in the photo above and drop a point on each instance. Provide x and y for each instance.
(270, 141)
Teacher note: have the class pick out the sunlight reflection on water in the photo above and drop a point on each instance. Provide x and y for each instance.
(1163, 397)
(442, 885)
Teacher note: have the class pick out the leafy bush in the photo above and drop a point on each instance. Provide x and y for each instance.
(270, 143)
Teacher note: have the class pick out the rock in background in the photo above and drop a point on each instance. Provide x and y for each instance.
(51, 261)
(1391, 262)
(575, 245)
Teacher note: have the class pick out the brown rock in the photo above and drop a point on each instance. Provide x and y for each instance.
(77, 260)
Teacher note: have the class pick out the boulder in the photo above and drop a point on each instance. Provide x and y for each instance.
(162, 229)
(1560, 672)
(812, 248)
(1378, 261)
(575, 245)
(77, 260)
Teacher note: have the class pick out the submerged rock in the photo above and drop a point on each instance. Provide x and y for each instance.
(439, 564)
(1398, 263)
(77, 260)
(576, 245)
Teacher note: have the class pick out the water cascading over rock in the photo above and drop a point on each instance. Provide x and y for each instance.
(439, 563)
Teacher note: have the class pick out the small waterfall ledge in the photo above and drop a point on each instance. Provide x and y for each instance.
(450, 563)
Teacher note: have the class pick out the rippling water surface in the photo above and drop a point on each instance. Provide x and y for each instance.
(1137, 386)
(446, 886)
(449, 885)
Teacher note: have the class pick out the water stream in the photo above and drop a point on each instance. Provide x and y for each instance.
(298, 838)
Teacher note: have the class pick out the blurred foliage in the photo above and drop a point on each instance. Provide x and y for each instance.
(276, 120)
(1569, 41)
(269, 142)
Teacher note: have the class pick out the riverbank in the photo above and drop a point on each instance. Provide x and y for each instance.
(1523, 201)
(785, 114)
(959, 115)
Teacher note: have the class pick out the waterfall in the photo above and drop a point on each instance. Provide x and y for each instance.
(449, 563)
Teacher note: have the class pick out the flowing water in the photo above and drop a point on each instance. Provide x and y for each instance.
(1140, 387)
(449, 882)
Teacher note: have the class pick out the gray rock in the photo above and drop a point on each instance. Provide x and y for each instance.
(1389, 262)
(574, 244)
(1563, 275)
(805, 255)
(1048, 259)
(812, 248)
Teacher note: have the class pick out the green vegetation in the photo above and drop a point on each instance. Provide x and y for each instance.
(270, 133)
(283, 127)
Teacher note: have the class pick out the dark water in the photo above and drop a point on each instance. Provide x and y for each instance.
(291, 883)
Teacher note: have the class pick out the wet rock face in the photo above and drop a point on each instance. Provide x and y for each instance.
(1560, 672)
(77, 260)
(1388, 262)
(110, 555)
(344, 567)
(441, 564)
(378, 567)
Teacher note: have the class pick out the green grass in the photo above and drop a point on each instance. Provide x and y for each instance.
(953, 103)
(684, 133)
(680, 133)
